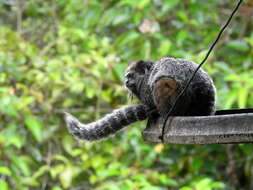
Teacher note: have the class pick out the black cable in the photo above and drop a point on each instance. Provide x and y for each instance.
(207, 55)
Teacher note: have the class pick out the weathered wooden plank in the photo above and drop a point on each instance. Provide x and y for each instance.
(227, 126)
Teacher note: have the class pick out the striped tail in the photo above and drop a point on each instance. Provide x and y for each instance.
(108, 125)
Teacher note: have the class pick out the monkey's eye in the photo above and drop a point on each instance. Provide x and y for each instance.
(129, 75)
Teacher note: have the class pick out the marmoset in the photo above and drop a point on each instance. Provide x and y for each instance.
(156, 85)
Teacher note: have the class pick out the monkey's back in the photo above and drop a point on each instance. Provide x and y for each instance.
(168, 78)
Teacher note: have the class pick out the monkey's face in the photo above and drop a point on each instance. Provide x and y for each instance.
(135, 75)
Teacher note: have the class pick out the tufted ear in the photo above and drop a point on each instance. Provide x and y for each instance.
(149, 64)
(143, 66)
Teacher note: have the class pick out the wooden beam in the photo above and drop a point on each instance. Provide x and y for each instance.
(227, 126)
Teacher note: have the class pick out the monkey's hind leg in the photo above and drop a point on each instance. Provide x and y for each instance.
(165, 92)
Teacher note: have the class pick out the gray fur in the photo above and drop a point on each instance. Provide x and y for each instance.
(108, 125)
(140, 78)
(199, 98)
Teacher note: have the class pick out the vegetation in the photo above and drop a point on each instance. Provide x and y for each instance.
(71, 54)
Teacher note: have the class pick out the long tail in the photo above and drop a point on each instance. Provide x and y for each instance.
(108, 125)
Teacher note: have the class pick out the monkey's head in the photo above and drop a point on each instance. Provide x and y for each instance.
(136, 76)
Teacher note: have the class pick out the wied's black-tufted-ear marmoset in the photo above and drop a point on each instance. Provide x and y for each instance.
(156, 85)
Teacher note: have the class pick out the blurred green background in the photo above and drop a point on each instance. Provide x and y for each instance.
(71, 54)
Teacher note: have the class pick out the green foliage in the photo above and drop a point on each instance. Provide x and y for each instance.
(70, 56)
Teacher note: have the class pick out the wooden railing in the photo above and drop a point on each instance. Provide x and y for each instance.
(226, 126)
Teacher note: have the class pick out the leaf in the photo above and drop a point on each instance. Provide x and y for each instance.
(182, 36)
(127, 38)
(242, 97)
(11, 136)
(68, 144)
(35, 127)
(143, 3)
(203, 184)
(30, 181)
(5, 171)
(218, 185)
(159, 148)
(230, 100)
(120, 18)
(117, 71)
(165, 47)
(41, 171)
(16, 141)
(3, 185)
(186, 188)
(56, 170)
(66, 177)
(108, 16)
(93, 14)
(241, 46)
(114, 187)
(197, 164)
(56, 188)
(168, 181)
(21, 164)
